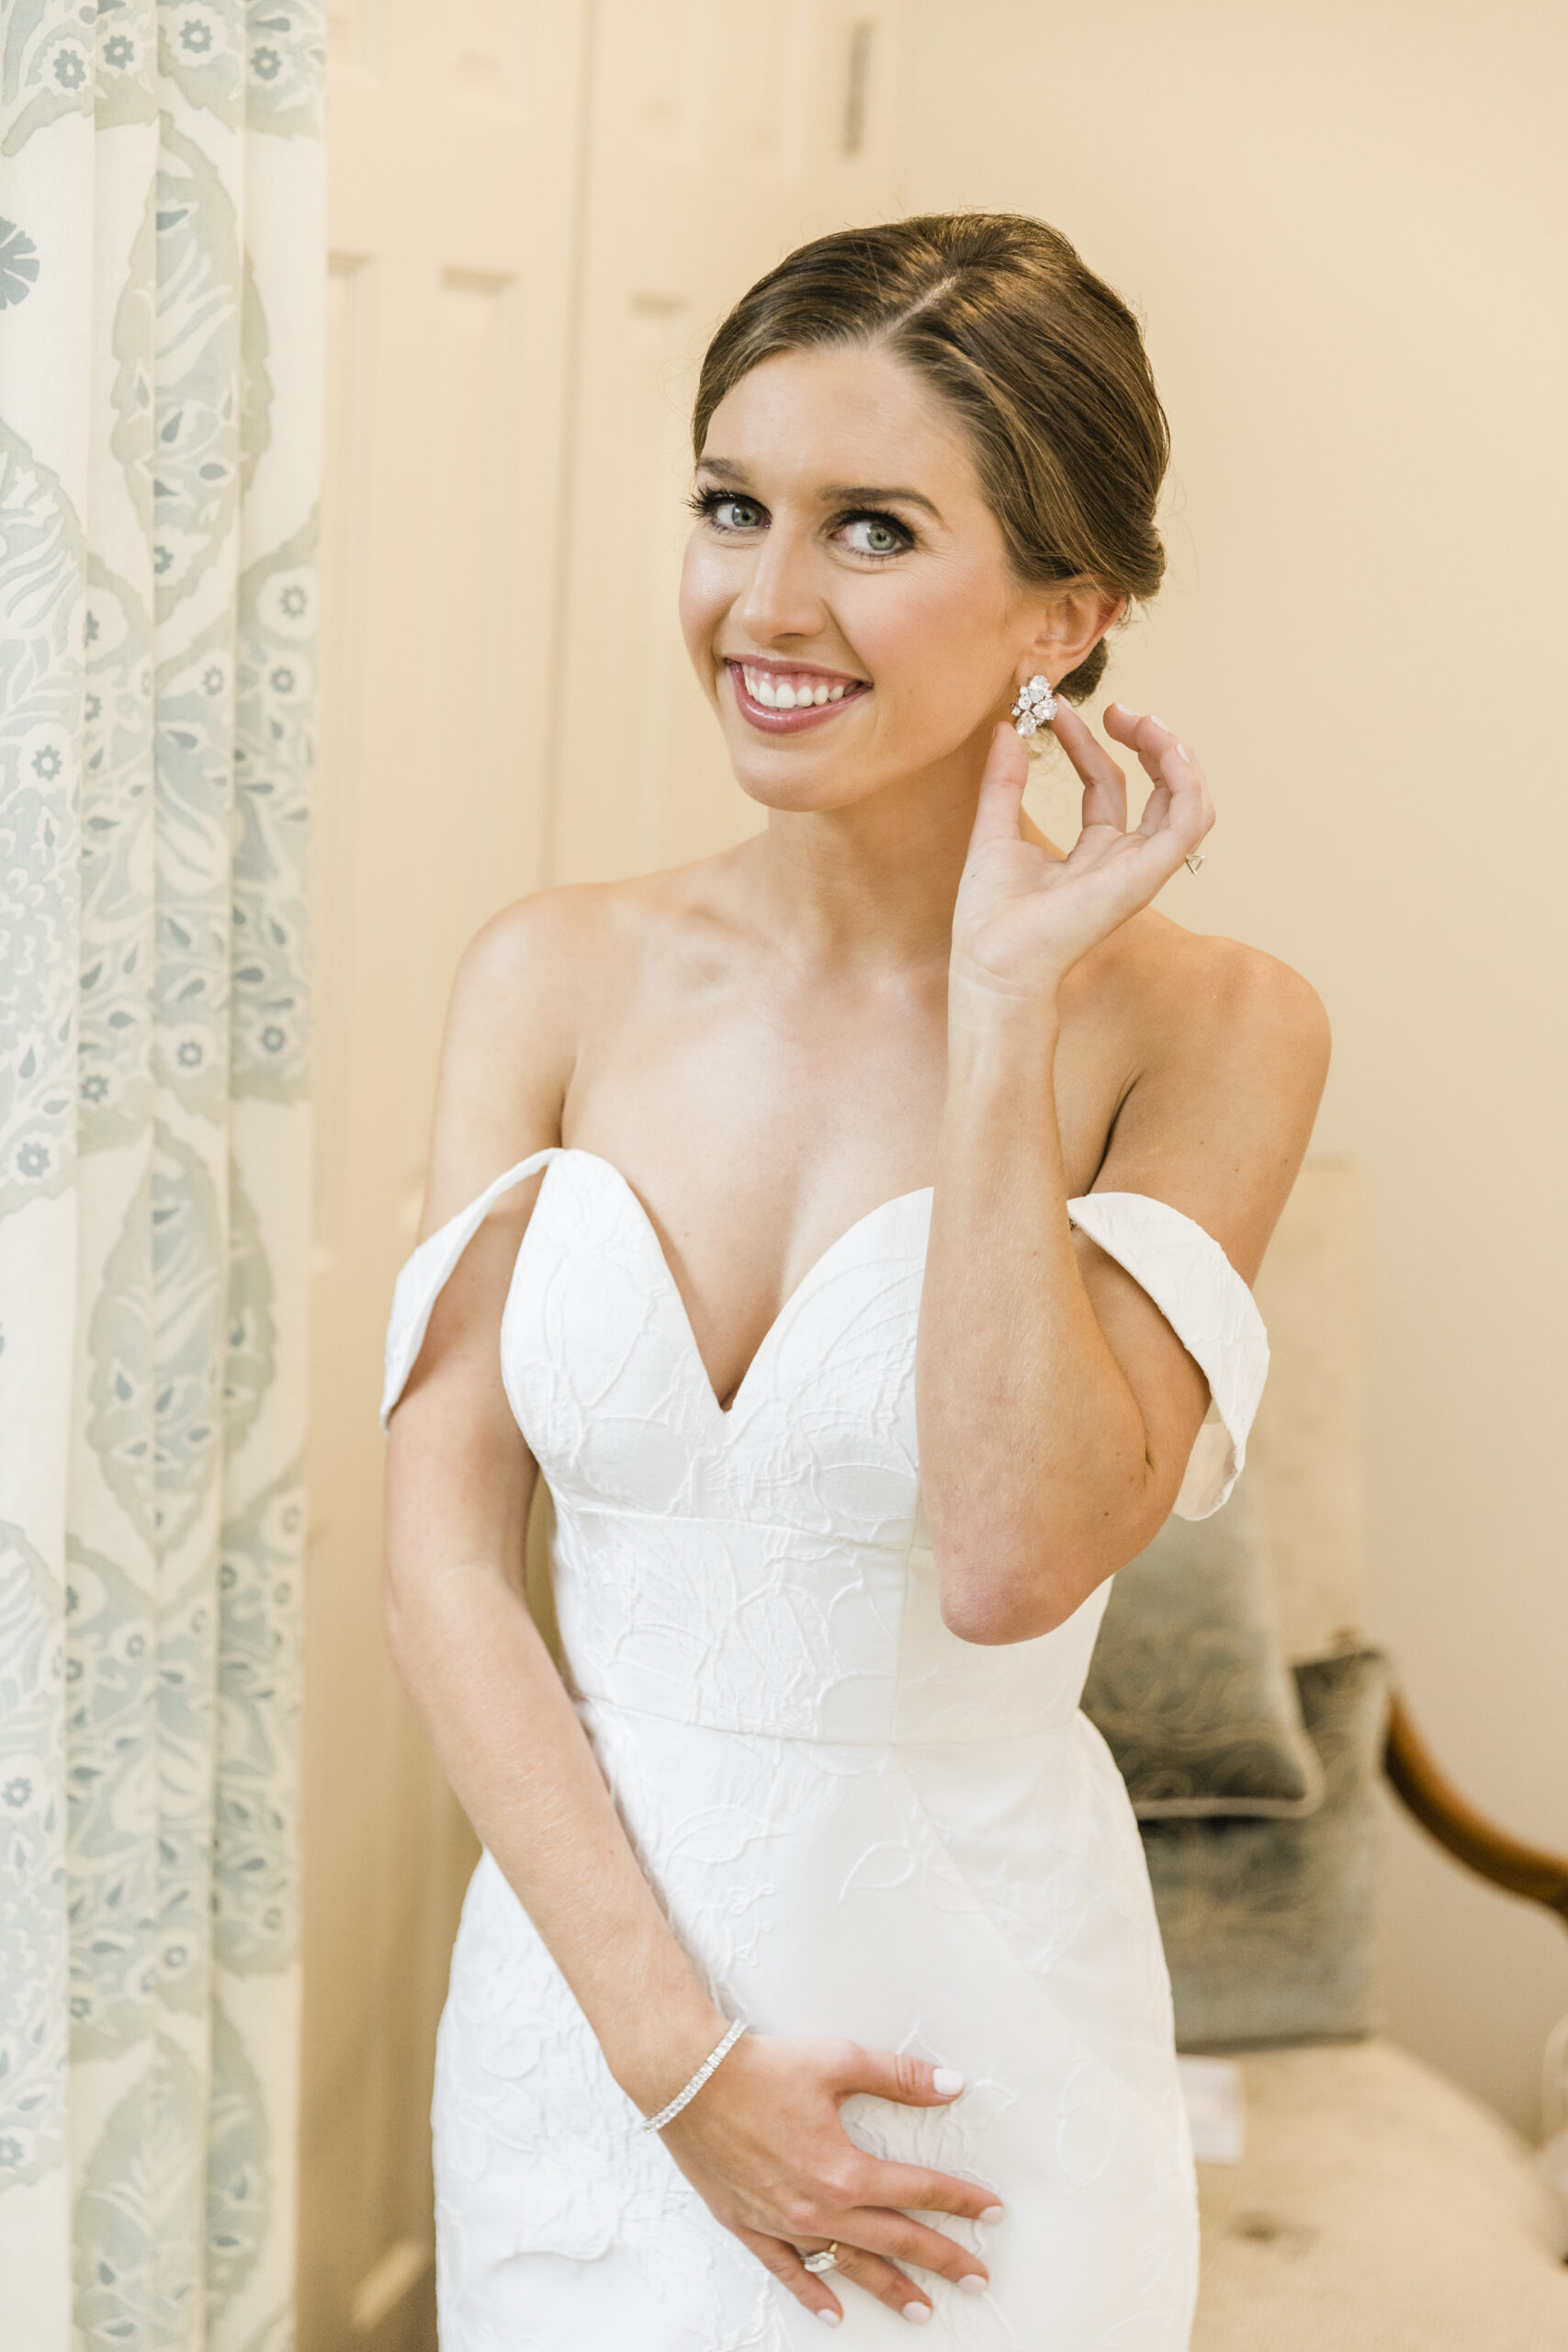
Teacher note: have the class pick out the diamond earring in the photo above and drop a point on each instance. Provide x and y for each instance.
(1035, 706)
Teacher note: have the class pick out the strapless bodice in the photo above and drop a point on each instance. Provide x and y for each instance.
(766, 1568)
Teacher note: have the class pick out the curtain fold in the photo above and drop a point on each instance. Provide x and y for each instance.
(162, 243)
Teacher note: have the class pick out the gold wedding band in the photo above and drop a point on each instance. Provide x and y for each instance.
(827, 2259)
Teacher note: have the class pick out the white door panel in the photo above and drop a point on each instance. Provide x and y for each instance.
(453, 155)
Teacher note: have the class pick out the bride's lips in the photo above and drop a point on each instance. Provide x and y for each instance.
(841, 692)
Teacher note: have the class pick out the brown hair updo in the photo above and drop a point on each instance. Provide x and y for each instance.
(1042, 361)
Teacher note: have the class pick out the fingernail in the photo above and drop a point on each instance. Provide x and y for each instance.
(829, 2319)
(1120, 707)
(917, 2314)
(947, 2082)
(1183, 753)
(1160, 722)
(973, 2284)
(993, 2214)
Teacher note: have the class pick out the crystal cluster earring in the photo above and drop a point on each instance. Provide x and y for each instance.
(1035, 706)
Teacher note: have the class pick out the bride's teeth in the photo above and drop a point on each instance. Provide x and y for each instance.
(799, 693)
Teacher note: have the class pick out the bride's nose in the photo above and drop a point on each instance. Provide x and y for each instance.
(781, 597)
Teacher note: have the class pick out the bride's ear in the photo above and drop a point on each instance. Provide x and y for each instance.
(1070, 620)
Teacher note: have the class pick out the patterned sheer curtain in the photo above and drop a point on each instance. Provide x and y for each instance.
(161, 275)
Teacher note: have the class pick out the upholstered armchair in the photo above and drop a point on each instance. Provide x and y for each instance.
(1375, 2206)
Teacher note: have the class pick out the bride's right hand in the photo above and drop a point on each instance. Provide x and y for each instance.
(763, 2145)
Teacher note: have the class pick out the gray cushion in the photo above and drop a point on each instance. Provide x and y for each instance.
(1268, 1924)
(1186, 1685)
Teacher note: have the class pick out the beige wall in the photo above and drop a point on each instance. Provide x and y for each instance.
(1344, 224)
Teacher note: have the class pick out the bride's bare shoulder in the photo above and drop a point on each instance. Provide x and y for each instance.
(1190, 992)
(579, 942)
(1223, 1051)
(529, 990)
(541, 973)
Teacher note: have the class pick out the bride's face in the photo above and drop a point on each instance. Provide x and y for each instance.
(846, 597)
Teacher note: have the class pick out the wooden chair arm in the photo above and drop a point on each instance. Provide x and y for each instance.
(1427, 1792)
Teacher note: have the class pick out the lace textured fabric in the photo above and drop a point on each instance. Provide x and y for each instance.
(857, 1824)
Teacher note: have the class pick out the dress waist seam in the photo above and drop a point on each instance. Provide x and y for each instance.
(889, 1740)
(568, 1510)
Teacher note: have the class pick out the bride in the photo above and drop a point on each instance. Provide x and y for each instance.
(855, 1228)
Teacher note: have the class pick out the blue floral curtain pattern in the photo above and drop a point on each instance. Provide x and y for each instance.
(161, 237)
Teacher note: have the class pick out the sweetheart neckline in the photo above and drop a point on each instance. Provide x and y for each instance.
(1194, 1286)
(726, 1412)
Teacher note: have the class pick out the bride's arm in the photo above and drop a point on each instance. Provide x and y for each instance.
(1057, 1407)
(762, 2141)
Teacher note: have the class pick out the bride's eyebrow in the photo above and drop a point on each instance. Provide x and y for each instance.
(832, 493)
(849, 493)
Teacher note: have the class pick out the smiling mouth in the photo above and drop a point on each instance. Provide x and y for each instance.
(783, 701)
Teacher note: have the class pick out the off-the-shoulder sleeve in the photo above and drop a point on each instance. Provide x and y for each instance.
(1211, 1310)
(425, 1276)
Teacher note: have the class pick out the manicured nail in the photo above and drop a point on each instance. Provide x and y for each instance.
(1160, 722)
(973, 2284)
(829, 2319)
(947, 2082)
(1183, 753)
(1120, 707)
(917, 2314)
(993, 2214)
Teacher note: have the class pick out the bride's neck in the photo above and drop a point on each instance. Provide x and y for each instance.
(870, 884)
(873, 883)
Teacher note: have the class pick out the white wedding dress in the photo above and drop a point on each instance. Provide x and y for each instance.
(857, 1823)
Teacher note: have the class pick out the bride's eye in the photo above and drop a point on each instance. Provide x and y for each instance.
(725, 511)
(875, 535)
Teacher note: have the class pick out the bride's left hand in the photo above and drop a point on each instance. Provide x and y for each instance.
(1022, 917)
